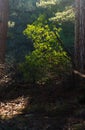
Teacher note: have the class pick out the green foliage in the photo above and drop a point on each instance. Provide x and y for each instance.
(64, 16)
(48, 59)
(23, 12)
(46, 3)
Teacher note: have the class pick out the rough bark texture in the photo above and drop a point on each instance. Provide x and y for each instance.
(80, 36)
(3, 27)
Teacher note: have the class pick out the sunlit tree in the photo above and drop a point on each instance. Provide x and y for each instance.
(48, 59)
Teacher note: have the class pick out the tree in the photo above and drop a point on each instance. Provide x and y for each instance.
(48, 59)
(80, 36)
(3, 27)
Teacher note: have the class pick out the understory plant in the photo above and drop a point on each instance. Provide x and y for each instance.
(48, 59)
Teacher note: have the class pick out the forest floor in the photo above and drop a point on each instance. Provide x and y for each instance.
(53, 107)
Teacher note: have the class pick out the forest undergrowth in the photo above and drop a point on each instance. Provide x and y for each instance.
(52, 106)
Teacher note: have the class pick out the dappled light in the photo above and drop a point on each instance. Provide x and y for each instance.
(9, 109)
(42, 66)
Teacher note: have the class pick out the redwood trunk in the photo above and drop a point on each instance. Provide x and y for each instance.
(80, 36)
(3, 28)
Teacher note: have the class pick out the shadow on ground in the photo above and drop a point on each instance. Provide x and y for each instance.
(44, 108)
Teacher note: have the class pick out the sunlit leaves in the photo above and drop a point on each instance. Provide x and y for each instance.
(48, 56)
(42, 34)
(66, 15)
(45, 3)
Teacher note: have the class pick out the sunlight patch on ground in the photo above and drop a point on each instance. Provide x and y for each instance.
(12, 108)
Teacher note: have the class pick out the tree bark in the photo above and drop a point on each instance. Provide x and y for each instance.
(80, 36)
(3, 28)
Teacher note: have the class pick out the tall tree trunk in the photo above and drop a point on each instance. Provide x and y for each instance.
(80, 36)
(3, 28)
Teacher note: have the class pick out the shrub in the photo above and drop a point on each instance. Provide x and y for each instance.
(48, 59)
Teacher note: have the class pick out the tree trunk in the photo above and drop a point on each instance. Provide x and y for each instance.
(79, 53)
(3, 28)
(80, 36)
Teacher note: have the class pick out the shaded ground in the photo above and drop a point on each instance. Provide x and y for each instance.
(46, 107)
(42, 108)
